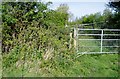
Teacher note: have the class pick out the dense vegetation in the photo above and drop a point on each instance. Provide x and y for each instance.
(35, 42)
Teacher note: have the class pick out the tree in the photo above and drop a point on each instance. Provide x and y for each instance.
(114, 20)
(17, 16)
(27, 21)
(115, 5)
(63, 8)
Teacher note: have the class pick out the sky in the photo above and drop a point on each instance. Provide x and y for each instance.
(81, 7)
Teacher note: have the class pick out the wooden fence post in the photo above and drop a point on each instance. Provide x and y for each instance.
(70, 44)
(75, 38)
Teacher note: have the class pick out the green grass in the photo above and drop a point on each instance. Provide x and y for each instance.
(104, 65)
(0, 66)
(87, 45)
(0, 63)
(69, 65)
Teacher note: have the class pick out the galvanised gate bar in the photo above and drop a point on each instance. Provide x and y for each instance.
(97, 41)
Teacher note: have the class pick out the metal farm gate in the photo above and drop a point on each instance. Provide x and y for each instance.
(96, 41)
